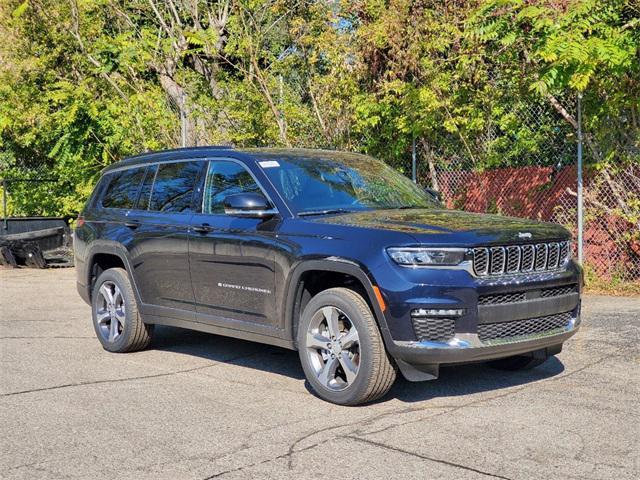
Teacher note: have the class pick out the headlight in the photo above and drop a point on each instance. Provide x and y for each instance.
(426, 256)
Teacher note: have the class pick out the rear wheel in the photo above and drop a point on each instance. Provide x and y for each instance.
(341, 350)
(116, 320)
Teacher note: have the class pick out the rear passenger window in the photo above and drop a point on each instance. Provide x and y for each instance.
(122, 189)
(173, 186)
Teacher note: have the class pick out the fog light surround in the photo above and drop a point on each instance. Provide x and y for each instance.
(437, 312)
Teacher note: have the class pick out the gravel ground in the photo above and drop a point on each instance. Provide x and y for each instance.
(199, 406)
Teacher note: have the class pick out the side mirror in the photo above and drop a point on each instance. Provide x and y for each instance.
(249, 205)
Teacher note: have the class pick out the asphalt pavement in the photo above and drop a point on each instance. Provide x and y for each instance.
(200, 406)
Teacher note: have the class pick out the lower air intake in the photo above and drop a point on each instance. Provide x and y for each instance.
(516, 329)
(434, 329)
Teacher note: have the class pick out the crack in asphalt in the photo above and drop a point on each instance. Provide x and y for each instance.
(494, 397)
(126, 379)
(277, 457)
(424, 457)
(449, 410)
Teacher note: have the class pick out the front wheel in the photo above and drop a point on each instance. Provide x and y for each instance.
(341, 350)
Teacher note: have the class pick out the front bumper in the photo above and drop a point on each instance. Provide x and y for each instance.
(425, 356)
(497, 318)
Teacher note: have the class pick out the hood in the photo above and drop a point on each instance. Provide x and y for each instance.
(447, 227)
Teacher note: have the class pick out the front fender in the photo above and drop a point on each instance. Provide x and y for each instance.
(338, 265)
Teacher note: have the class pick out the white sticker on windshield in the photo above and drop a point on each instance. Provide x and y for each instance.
(269, 164)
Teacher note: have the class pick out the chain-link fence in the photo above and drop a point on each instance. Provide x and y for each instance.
(540, 182)
(530, 172)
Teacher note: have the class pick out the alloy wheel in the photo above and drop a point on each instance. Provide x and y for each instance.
(110, 311)
(333, 348)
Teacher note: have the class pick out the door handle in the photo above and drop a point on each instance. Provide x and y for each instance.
(132, 224)
(204, 228)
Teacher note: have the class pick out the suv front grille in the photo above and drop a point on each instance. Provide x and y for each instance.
(491, 261)
(434, 329)
(558, 291)
(488, 332)
(498, 298)
(513, 297)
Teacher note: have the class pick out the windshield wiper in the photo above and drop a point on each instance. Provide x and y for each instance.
(323, 212)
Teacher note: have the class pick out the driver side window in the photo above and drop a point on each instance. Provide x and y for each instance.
(225, 178)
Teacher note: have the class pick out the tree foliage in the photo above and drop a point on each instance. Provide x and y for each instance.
(85, 82)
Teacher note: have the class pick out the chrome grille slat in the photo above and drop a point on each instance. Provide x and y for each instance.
(528, 255)
(481, 261)
(496, 260)
(513, 259)
(541, 257)
(554, 255)
(564, 252)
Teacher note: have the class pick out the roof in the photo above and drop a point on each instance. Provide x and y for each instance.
(215, 150)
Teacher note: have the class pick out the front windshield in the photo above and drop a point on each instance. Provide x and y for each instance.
(328, 181)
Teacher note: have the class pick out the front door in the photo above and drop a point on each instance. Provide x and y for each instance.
(232, 258)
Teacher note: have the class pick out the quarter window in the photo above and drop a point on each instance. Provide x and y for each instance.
(173, 186)
(122, 190)
(223, 179)
(147, 185)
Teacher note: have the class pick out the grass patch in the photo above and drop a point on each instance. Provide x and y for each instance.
(615, 285)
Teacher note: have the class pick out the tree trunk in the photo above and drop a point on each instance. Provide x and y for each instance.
(432, 166)
(277, 112)
(176, 92)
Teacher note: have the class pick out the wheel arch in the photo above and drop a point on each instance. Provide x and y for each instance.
(104, 255)
(298, 284)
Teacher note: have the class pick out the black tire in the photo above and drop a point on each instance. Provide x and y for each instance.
(376, 370)
(134, 335)
(519, 362)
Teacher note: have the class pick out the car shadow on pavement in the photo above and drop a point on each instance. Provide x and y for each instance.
(453, 380)
(232, 351)
(473, 378)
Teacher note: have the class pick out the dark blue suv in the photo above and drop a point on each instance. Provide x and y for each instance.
(333, 254)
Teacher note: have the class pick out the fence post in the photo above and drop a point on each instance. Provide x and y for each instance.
(5, 221)
(580, 200)
(414, 163)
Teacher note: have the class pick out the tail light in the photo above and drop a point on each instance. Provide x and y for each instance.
(79, 221)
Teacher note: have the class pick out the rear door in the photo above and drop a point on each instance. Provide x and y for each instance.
(232, 258)
(160, 249)
(113, 206)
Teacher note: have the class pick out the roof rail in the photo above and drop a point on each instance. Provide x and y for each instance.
(200, 147)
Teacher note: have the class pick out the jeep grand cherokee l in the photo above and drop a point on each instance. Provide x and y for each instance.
(335, 255)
